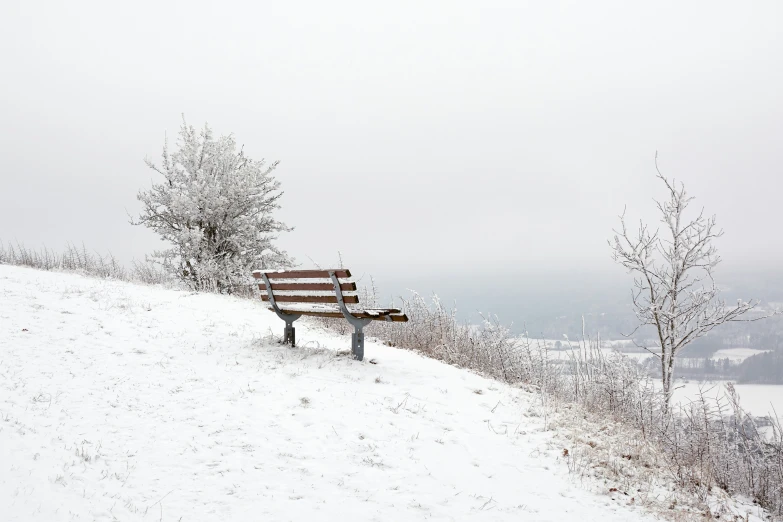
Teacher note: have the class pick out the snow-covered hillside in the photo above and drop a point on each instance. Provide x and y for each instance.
(124, 402)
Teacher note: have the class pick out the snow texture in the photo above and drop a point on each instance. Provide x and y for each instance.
(125, 402)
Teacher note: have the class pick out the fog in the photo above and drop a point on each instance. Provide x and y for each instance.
(480, 150)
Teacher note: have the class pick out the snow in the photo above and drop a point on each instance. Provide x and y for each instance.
(119, 401)
(331, 308)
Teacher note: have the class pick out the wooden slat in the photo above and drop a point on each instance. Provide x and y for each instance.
(309, 287)
(401, 318)
(304, 274)
(336, 315)
(350, 299)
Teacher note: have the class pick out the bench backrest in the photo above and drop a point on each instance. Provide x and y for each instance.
(313, 292)
(307, 286)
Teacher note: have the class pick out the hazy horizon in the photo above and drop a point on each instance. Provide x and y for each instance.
(439, 142)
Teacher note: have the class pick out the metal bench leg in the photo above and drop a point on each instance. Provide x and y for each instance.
(357, 339)
(357, 344)
(290, 334)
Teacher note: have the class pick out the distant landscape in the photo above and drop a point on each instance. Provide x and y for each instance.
(541, 308)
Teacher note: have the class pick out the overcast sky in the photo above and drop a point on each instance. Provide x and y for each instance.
(431, 138)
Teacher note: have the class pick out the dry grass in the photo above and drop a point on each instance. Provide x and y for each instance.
(83, 261)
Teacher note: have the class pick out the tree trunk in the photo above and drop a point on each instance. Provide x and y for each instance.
(667, 369)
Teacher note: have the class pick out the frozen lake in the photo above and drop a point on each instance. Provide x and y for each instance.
(758, 399)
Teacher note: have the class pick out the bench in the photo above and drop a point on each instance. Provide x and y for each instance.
(320, 293)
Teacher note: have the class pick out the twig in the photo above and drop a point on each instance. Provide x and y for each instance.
(161, 499)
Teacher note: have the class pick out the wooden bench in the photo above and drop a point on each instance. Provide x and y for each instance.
(321, 293)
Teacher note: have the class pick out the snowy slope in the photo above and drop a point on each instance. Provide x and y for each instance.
(119, 401)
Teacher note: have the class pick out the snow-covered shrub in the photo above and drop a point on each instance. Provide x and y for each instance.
(215, 208)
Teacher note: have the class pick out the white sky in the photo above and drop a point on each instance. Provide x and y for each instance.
(437, 138)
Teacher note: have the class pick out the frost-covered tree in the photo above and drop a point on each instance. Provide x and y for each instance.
(215, 208)
(674, 291)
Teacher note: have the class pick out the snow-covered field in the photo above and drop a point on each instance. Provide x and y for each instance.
(736, 354)
(124, 402)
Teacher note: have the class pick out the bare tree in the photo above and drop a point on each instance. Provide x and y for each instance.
(674, 290)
